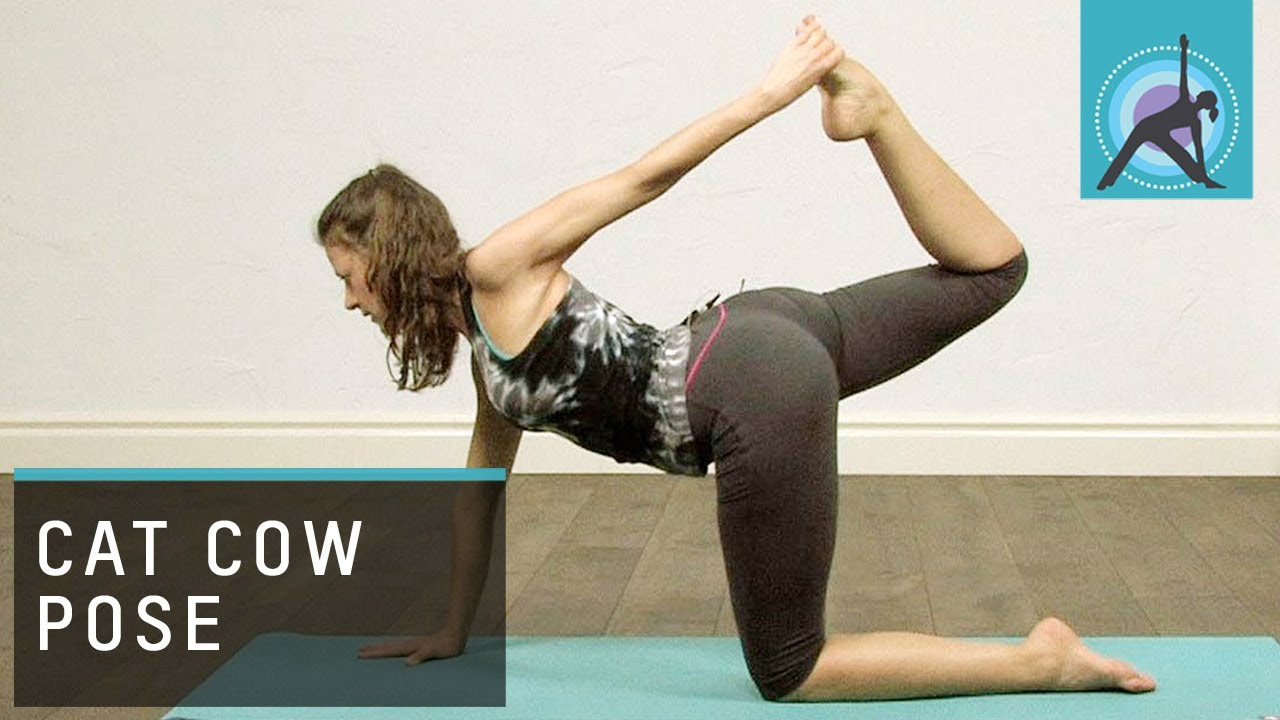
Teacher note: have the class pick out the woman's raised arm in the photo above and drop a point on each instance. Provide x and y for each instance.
(549, 234)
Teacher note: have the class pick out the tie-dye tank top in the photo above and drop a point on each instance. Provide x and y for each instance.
(597, 377)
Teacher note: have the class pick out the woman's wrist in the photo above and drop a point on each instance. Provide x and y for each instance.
(761, 103)
(453, 634)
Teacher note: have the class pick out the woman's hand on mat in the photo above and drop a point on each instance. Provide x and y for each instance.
(416, 650)
(803, 62)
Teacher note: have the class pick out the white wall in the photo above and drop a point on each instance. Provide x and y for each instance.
(164, 163)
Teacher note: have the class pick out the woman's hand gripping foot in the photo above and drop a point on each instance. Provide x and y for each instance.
(802, 63)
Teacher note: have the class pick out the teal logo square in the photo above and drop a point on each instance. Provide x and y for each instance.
(1166, 98)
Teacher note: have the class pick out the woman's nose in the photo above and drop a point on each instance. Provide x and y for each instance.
(349, 301)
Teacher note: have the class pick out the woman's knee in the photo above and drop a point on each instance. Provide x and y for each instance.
(780, 675)
(1001, 284)
(1015, 271)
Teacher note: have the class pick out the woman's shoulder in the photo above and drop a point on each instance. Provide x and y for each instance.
(512, 303)
(490, 273)
(484, 269)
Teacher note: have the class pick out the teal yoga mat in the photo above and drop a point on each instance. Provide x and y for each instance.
(602, 678)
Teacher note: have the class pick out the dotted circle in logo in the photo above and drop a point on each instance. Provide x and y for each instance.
(1235, 107)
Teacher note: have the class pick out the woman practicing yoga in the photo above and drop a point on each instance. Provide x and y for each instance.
(751, 384)
(1158, 129)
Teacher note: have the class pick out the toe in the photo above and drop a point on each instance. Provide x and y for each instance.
(1138, 684)
(1129, 679)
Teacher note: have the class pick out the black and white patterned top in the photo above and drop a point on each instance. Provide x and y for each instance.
(595, 376)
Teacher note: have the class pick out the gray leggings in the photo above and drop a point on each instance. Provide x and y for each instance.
(763, 407)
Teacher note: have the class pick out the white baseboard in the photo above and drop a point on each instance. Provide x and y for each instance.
(865, 448)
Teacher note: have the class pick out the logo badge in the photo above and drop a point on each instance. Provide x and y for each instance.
(1166, 92)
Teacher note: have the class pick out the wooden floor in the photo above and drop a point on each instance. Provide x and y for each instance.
(959, 556)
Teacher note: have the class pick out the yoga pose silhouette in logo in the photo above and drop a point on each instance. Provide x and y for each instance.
(1158, 129)
(751, 384)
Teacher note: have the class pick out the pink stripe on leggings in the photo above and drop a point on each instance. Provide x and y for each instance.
(697, 364)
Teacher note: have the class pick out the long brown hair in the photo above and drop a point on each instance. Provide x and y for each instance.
(415, 267)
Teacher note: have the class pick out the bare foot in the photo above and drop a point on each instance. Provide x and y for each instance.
(1076, 667)
(854, 103)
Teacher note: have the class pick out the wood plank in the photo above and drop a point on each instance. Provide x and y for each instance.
(586, 572)
(1262, 495)
(1061, 562)
(538, 512)
(1177, 590)
(877, 578)
(622, 511)
(1222, 615)
(973, 582)
(575, 591)
(679, 583)
(1223, 528)
(725, 624)
(6, 504)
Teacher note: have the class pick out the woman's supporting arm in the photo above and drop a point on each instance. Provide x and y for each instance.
(494, 442)
(474, 508)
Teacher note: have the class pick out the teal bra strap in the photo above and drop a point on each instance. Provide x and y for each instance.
(485, 334)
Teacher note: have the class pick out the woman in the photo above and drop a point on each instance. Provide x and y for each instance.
(1158, 129)
(752, 384)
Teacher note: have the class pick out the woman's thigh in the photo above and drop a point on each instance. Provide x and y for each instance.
(889, 324)
(764, 405)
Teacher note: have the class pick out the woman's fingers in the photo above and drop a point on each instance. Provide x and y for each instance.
(807, 58)
(811, 37)
(419, 656)
(823, 50)
(416, 650)
(810, 31)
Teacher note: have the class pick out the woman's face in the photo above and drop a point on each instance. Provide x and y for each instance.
(351, 265)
